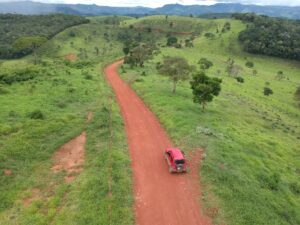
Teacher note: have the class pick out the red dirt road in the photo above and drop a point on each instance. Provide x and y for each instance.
(160, 198)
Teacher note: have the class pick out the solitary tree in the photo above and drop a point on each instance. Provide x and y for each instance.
(205, 88)
(176, 68)
(205, 63)
(138, 55)
(29, 44)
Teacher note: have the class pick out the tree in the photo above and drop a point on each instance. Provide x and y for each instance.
(176, 68)
(205, 88)
(139, 55)
(29, 44)
(171, 41)
(205, 64)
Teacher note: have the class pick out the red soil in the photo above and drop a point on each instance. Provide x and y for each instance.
(158, 30)
(160, 198)
(35, 194)
(70, 157)
(70, 57)
(7, 172)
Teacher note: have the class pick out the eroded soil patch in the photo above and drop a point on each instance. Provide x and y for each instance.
(70, 157)
(70, 57)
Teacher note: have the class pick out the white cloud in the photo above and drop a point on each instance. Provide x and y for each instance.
(158, 3)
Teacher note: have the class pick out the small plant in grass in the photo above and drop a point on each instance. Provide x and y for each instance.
(268, 91)
(123, 70)
(61, 104)
(240, 79)
(36, 114)
(270, 182)
(232, 69)
(176, 68)
(205, 88)
(297, 95)
(209, 35)
(249, 64)
(3, 90)
(280, 75)
(254, 72)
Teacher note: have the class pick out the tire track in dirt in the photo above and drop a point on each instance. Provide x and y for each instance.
(160, 198)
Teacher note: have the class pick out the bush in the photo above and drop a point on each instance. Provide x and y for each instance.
(240, 79)
(61, 105)
(249, 64)
(209, 35)
(3, 90)
(171, 41)
(36, 114)
(295, 187)
(268, 91)
(72, 33)
(270, 182)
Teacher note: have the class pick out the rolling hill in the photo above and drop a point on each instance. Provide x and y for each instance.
(28, 7)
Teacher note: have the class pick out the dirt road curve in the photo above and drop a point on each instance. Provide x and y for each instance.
(160, 198)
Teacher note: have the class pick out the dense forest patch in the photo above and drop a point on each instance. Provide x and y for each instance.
(16, 27)
(270, 36)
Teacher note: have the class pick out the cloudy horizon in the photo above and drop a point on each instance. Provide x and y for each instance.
(158, 3)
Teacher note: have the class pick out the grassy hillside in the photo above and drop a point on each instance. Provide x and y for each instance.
(251, 171)
(42, 112)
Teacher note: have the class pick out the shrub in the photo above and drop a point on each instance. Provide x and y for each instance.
(88, 76)
(249, 64)
(61, 105)
(3, 90)
(171, 41)
(240, 79)
(71, 90)
(205, 64)
(268, 91)
(295, 187)
(36, 114)
(72, 33)
(209, 35)
(271, 182)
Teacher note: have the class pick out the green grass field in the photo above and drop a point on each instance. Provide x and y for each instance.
(64, 92)
(251, 172)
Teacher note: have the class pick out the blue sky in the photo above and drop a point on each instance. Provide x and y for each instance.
(157, 3)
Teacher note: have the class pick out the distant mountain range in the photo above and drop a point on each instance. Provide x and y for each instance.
(28, 7)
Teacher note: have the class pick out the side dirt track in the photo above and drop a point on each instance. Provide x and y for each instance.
(160, 198)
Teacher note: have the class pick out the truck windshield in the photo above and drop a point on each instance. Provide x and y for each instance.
(181, 161)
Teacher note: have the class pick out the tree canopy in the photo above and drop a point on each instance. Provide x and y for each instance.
(270, 36)
(176, 68)
(14, 27)
(205, 88)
